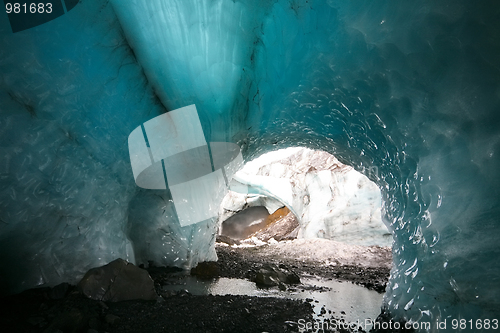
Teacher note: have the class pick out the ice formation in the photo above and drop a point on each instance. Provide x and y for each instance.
(330, 200)
(411, 88)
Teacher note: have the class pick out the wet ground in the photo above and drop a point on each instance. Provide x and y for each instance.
(236, 262)
(63, 309)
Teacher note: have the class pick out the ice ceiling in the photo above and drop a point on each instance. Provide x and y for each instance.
(412, 88)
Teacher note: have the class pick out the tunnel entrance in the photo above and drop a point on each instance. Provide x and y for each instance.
(326, 199)
(304, 211)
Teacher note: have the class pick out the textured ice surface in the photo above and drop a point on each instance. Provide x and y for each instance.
(410, 87)
(65, 172)
(330, 200)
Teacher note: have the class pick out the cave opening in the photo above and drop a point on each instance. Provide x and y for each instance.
(325, 199)
(323, 213)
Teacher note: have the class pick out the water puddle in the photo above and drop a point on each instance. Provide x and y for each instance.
(357, 302)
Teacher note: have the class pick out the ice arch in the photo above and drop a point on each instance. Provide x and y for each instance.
(329, 199)
(412, 88)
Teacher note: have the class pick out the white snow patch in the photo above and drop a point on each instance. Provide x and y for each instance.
(332, 253)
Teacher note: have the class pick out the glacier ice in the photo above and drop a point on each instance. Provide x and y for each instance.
(329, 199)
(411, 88)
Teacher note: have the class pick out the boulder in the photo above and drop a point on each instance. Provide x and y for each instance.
(117, 281)
(282, 225)
(271, 275)
(226, 239)
(245, 222)
(206, 270)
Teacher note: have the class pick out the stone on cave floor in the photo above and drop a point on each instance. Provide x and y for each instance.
(60, 291)
(277, 215)
(282, 226)
(111, 319)
(206, 270)
(117, 281)
(227, 240)
(245, 223)
(270, 275)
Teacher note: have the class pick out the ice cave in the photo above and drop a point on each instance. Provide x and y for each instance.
(409, 88)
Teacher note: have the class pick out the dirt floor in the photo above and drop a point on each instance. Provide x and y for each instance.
(63, 309)
(236, 262)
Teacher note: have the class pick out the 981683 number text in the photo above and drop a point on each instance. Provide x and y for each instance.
(32, 8)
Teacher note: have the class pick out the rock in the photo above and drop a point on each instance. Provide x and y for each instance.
(280, 227)
(277, 215)
(103, 305)
(245, 223)
(226, 239)
(206, 270)
(117, 281)
(272, 275)
(111, 319)
(69, 320)
(60, 291)
(293, 234)
(95, 323)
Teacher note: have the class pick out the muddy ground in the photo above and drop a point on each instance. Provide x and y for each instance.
(63, 309)
(236, 262)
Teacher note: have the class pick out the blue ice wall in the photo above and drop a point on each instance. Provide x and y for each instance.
(412, 88)
(65, 173)
(72, 91)
(201, 53)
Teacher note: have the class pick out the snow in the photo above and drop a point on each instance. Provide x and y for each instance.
(321, 251)
(331, 253)
(330, 200)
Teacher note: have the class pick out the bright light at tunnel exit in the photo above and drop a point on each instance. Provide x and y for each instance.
(330, 200)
